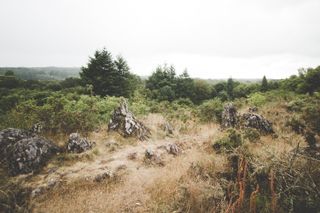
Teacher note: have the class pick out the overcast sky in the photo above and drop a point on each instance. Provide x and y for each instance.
(212, 39)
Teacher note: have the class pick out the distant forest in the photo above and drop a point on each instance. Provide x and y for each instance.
(42, 73)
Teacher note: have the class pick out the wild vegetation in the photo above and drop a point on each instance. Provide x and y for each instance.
(206, 169)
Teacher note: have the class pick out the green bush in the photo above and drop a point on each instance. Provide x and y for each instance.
(296, 105)
(63, 113)
(296, 125)
(257, 99)
(251, 134)
(211, 110)
(230, 141)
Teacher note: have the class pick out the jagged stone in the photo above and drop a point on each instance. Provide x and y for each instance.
(11, 136)
(29, 154)
(37, 128)
(229, 116)
(173, 149)
(153, 157)
(124, 122)
(77, 144)
(257, 121)
(149, 153)
(22, 151)
(167, 128)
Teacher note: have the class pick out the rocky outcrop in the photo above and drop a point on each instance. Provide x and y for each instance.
(29, 154)
(23, 151)
(258, 122)
(230, 119)
(229, 116)
(124, 122)
(11, 136)
(77, 144)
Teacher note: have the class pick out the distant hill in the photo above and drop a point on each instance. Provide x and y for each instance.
(42, 73)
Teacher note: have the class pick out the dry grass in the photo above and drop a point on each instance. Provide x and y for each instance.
(139, 188)
(190, 182)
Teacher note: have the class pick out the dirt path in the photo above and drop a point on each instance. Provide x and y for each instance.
(132, 177)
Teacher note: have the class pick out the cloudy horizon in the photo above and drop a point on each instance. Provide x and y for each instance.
(211, 39)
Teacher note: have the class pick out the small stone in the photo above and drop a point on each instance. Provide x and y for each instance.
(52, 182)
(153, 157)
(174, 149)
(77, 144)
(149, 153)
(167, 128)
(37, 191)
(102, 176)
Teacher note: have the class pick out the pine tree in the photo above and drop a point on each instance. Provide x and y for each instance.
(264, 84)
(230, 87)
(107, 76)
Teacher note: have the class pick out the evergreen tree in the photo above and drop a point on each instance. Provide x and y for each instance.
(230, 87)
(108, 77)
(264, 84)
(184, 86)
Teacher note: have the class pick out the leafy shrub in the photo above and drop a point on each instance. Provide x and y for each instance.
(257, 99)
(295, 105)
(231, 141)
(296, 125)
(311, 116)
(63, 113)
(251, 134)
(211, 110)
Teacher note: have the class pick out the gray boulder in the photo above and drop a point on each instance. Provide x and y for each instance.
(29, 154)
(258, 122)
(124, 122)
(229, 116)
(77, 144)
(11, 136)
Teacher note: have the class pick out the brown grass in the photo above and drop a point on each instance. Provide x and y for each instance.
(189, 182)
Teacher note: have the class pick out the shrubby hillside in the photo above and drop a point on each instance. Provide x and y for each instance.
(169, 143)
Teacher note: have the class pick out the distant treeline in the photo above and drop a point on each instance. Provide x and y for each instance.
(42, 73)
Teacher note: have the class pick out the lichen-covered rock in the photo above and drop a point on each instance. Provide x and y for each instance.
(153, 157)
(174, 149)
(229, 116)
(77, 144)
(29, 154)
(124, 122)
(11, 136)
(167, 128)
(257, 121)
(149, 153)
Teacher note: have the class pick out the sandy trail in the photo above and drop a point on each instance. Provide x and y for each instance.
(135, 176)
